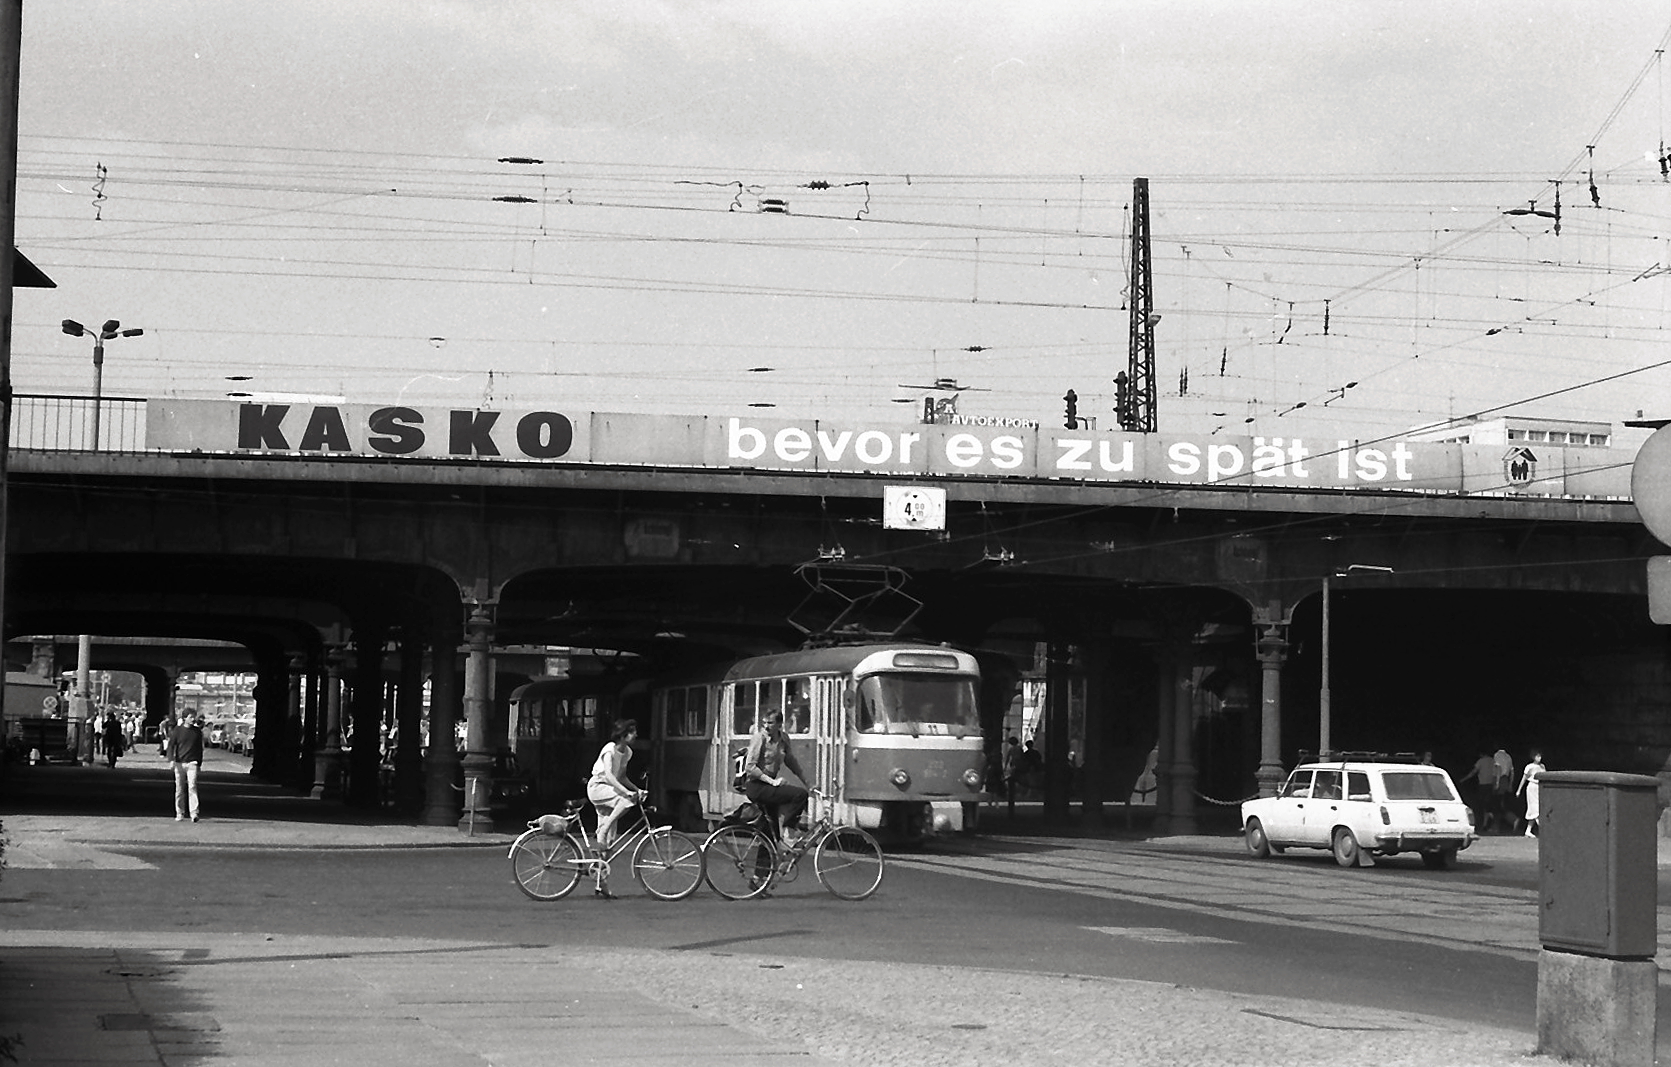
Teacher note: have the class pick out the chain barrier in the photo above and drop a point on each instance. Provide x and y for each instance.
(1223, 803)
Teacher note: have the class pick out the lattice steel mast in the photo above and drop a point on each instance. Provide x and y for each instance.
(1135, 396)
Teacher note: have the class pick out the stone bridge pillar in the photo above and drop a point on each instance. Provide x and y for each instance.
(409, 712)
(159, 697)
(441, 763)
(1175, 768)
(479, 745)
(1272, 649)
(295, 667)
(366, 752)
(1058, 695)
(308, 745)
(327, 774)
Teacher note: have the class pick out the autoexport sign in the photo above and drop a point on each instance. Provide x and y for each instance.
(892, 450)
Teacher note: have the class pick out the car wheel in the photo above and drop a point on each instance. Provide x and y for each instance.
(1439, 859)
(1346, 850)
(1257, 843)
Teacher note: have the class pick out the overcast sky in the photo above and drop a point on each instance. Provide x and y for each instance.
(303, 195)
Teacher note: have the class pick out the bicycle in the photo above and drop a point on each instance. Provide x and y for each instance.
(548, 859)
(743, 861)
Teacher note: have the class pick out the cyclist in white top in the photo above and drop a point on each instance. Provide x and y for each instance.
(608, 788)
(610, 792)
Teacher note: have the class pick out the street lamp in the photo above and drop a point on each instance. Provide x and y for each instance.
(111, 329)
(1323, 692)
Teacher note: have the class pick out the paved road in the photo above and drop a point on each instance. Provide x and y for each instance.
(131, 938)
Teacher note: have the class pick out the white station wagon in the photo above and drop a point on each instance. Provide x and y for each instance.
(1359, 810)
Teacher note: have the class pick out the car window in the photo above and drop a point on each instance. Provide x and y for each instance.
(1327, 785)
(1416, 785)
(1298, 785)
(1357, 785)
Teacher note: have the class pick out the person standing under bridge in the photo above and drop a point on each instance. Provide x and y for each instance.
(185, 747)
(114, 740)
(1484, 776)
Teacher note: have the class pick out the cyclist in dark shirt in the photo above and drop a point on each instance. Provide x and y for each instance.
(768, 754)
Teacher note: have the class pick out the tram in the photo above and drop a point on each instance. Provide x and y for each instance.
(558, 725)
(890, 730)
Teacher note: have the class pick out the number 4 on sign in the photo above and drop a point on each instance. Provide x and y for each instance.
(913, 507)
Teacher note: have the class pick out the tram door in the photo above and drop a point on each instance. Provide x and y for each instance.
(716, 770)
(828, 762)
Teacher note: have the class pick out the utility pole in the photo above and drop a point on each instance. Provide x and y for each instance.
(11, 52)
(1137, 407)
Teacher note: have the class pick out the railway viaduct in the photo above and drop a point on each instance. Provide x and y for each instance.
(1184, 614)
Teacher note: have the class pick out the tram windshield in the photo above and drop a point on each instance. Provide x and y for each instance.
(916, 703)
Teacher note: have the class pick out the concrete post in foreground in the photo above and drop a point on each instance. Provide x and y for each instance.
(1598, 923)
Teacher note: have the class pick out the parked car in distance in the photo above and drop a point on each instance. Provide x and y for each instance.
(1359, 810)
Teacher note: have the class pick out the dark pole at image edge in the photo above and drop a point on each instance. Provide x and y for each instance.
(11, 47)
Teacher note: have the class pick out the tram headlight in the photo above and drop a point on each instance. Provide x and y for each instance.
(972, 778)
(900, 778)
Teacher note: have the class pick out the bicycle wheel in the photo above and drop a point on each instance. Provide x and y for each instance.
(849, 863)
(740, 862)
(546, 867)
(668, 864)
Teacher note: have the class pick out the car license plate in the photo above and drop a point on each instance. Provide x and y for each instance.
(1429, 816)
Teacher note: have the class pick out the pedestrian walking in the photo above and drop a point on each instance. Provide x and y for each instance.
(1484, 776)
(1012, 770)
(114, 742)
(1529, 786)
(185, 747)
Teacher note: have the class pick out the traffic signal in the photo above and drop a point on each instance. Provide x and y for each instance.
(1071, 418)
(1122, 400)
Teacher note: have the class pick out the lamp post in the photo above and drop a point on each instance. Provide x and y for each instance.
(1323, 693)
(111, 329)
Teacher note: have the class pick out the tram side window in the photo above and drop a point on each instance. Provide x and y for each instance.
(797, 713)
(771, 696)
(866, 715)
(696, 712)
(674, 712)
(743, 707)
(577, 716)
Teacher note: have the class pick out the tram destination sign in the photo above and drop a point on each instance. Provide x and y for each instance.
(891, 450)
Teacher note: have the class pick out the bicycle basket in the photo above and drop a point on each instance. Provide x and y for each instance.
(553, 824)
